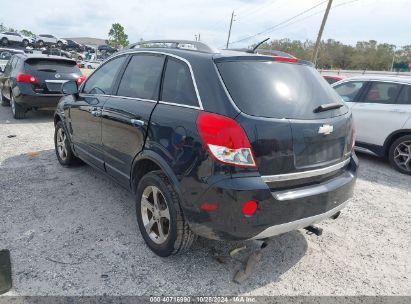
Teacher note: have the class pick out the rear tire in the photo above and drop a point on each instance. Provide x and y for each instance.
(62, 146)
(25, 43)
(399, 154)
(4, 41)
(163, 213)
(59, 44)
(41, 43)
(18, 111)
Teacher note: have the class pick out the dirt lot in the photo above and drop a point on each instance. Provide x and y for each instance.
(74, 232)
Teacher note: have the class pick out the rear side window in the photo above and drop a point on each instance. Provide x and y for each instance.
(178, 84)
(52, 65)
(349, 90)
(101, 81)
(277, 90)
(142, 76)
(383, 92)
(405, 96)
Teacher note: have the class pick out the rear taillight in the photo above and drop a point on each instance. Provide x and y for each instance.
(21, 77)
(81, 79)
(286, 59)
(225, 139)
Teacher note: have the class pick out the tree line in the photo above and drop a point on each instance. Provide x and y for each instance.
(365, 55)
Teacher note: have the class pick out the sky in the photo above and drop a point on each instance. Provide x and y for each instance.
(349, 21)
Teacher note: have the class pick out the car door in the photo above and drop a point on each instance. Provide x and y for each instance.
(377, 114)
(84, 115)
(126, 114)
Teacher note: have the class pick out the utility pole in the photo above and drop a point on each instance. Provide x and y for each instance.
(320, 33)
(229, 31)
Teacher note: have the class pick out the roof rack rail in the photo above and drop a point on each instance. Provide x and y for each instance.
(175, 44)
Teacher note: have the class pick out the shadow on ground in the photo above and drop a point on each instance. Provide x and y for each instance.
(73, 231)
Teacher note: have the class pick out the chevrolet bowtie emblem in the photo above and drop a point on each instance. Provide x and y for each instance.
(325, 129)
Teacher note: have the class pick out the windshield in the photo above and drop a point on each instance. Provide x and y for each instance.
(278, 90)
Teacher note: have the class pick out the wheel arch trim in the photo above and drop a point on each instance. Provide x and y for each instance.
(392, 137)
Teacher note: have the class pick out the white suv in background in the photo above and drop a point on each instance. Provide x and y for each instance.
(14, 38)
(45, 39)
(381, 107)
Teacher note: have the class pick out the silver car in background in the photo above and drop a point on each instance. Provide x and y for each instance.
(381, 107)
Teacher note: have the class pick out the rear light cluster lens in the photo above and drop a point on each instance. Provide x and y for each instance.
(250, 207)
(27, 78)
(81, 79)
(225, 140)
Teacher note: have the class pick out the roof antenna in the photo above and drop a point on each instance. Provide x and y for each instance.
(258, 44)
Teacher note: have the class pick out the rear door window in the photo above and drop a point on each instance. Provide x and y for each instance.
(382, 92)
(142, 77)
(178, 84)
(349, 90)
(102, 80)
(278, 89)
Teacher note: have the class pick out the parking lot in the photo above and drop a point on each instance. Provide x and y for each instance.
(74, 232)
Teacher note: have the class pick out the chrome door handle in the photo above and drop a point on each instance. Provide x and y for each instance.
(96, 113)
(137, 122)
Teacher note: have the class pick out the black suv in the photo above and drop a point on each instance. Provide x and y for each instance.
(34, 81)
(224, 144)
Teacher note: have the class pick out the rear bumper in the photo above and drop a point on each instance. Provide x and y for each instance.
(279, 211)
(38, 100)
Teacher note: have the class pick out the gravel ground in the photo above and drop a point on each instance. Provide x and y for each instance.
(74, 232)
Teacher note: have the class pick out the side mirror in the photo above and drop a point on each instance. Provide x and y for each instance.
(69, 88)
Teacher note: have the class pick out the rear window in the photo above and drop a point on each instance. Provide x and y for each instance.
(278, 90)
(61, 66)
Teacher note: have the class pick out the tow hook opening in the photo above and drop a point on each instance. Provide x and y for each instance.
(314, 230)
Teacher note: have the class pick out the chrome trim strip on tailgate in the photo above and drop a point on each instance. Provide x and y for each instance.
(298, 224)
(304, 174)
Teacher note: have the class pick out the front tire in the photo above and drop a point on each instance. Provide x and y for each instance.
(41, 43)
(25, 43)
(18, 111)
(62, 146)
(399, 154)
(4, 41)
(160, 218)
(59, 44)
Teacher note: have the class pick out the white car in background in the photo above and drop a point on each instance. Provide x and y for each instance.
(92, 64)
(381, 107)
(5, 55)
(7, 38)
(46, 39)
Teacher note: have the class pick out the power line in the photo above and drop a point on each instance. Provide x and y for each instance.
(281, 23)
(256, 10)
(314, 14)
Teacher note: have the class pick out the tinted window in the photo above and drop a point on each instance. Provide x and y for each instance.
(178, 85)
(383, 92)
(349, 90)
(51, 65)
(278, 90)
(101, 81)
(331, 80)
(142, 77)
(405, 96)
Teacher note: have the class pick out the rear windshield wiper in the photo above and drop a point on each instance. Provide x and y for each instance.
(328, 106)
(47, 70)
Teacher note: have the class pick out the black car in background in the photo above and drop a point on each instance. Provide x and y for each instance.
(224, 144)
(107, 48)
(74, 46)
(34, 81)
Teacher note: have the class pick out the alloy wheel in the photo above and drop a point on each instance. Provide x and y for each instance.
(61, 144)
(155, 214)
(402, 155)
